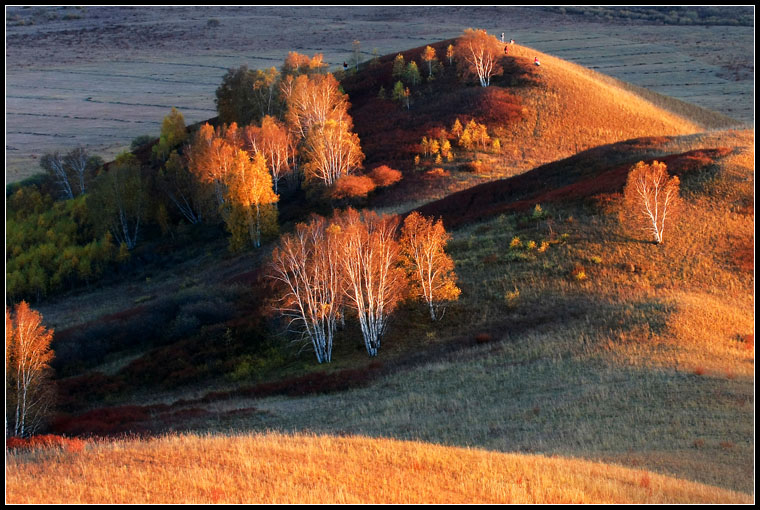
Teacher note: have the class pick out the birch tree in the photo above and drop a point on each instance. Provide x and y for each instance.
(430, 269)
(313, 100)
(119, 202)
(190, 196)
(211, 156)
(276, 143)
(81, 166)
(480, 52)
(28, 395)
(332, 151)
(374, 283)
(250, 187)
(428, 55)
(652, 197)
(55, 165)
(306, 265)
(173, 134)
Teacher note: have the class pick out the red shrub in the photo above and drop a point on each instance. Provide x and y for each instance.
(74, 445)
(352, 186)
(384, 175)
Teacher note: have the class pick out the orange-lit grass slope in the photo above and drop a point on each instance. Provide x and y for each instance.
(540, 114)
(277, 468)
(575, 108)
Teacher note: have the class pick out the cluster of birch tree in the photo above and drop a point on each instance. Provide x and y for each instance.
(358, 263)
(297, 127)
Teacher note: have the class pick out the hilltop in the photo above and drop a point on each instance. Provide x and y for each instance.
(539, 114)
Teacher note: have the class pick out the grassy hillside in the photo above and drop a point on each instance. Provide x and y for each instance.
(539, 114)
(283, 469)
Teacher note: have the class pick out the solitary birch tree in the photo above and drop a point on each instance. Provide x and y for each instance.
(428, 55)
(652, 197)
(480, 52)
(28, 395)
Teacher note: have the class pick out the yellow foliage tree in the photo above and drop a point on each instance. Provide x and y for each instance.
(250, 187)
(456, 128)
(430, 269)
(480, 52)
(428, 55)
(28, 395)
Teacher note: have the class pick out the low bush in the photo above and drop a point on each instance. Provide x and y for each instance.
(46, 441)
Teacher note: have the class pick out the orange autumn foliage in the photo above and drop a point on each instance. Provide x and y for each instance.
(353, 186)
(430, 269)
(651, 196)
(384, 175)
(27, 370)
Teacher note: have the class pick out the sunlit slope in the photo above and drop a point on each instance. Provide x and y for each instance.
(279, 468)
(539, 114)
(574, 108)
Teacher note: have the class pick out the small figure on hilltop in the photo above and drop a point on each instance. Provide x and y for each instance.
(345, 66)
(511, 41)
(502, 37)
(535, 61)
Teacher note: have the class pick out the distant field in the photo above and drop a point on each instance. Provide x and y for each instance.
(101, 76)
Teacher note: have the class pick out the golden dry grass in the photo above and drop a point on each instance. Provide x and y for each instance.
(277, 468)
(575, 108)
